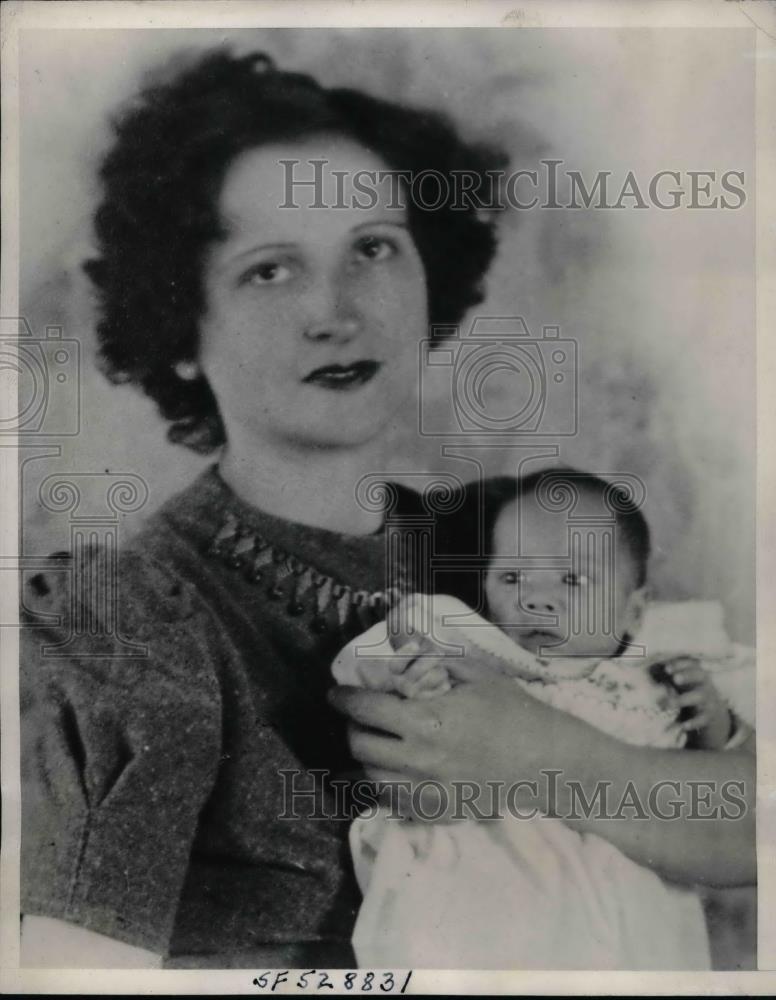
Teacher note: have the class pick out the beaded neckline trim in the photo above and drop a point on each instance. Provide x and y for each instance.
(330, 604)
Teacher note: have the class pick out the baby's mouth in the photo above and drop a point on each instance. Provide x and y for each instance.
(350, 376)
(537, 637)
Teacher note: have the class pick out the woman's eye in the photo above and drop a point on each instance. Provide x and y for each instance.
(511, 577)
(375, 248)
(268, 273)
(575, 579)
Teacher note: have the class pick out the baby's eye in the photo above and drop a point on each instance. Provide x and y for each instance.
(511, 577)
(267, 273)
(575, 579)
(375, 248)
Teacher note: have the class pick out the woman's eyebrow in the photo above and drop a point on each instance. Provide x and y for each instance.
(260, 247)
(380, 222)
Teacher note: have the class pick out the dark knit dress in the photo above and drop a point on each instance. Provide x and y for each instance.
(158, 753)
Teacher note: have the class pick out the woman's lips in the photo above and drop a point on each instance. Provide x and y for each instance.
(350, 376)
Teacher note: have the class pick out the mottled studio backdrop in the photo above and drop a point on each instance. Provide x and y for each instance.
(660, 303)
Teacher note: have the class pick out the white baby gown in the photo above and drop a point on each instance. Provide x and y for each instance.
(517, 893)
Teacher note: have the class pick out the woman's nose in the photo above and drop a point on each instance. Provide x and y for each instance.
(331, 313)
(339, 329)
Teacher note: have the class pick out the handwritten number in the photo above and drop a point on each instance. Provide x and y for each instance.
(350, 981)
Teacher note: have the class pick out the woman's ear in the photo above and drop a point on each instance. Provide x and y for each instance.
(635, 609)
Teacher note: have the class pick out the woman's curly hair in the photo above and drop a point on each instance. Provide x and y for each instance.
(162, 179)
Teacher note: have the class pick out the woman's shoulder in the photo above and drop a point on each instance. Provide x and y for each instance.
(180, 531)
(104, 628)
(152, 573)
(125, 611)
(99, 581)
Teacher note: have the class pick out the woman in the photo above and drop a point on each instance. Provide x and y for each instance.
(154, 785)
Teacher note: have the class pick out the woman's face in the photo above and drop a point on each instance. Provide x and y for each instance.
(313, 315)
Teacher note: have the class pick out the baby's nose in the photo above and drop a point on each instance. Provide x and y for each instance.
(542, 605)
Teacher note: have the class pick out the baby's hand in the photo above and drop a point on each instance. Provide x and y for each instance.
(425, 677)
(704, 715)
(413, 672)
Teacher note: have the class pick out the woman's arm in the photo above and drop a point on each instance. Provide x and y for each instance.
(119, 755)
(490, 730)
(693, 813)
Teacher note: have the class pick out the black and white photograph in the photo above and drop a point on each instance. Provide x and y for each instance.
(380, 496)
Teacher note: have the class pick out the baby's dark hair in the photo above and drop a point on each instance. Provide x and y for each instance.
(554, 488)
(159, 213)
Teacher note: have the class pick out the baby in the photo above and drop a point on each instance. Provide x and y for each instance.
(572, 583)
(571, 611)
(566, 586)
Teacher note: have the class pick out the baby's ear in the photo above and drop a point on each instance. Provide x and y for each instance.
(637, 605)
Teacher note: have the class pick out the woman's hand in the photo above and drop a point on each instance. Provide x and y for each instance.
(489, 730)
(429, 754)
(486, 729)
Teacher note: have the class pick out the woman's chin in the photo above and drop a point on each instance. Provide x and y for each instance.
(355, 428)
(336, 438)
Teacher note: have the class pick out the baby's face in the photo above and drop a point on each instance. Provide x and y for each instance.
(556, 602)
